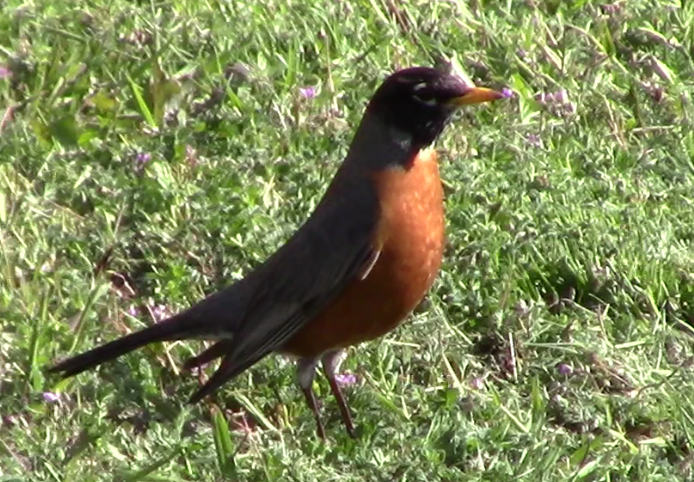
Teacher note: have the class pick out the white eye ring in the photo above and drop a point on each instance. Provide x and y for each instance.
(430, 101)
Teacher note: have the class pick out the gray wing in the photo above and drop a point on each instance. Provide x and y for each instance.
(332, 249)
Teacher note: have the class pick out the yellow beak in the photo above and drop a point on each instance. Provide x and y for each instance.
(476, 95)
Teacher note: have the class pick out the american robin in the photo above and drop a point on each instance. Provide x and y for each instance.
(355, 270)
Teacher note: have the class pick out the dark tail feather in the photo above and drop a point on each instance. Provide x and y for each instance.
(215, 351)
(223, 374)
(175, 328)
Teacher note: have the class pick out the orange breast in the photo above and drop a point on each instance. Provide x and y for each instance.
(411, 236)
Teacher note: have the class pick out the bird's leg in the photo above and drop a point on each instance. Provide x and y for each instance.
(306, 370)
(331, 365)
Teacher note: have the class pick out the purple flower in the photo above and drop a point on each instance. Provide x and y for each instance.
(307, 92)
(143, 158)
(561, 96)
(132, 311)
(477, 383)
(506, 92)
(557, 102)
(564, 369)
(534, 140)
(346, 379)
(50, 397)
(5, 73)
(160, 312)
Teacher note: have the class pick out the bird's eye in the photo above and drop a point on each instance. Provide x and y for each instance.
(425, 97)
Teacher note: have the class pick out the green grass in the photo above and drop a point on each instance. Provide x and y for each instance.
(153, 152)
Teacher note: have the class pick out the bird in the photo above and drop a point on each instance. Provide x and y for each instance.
(355, 270)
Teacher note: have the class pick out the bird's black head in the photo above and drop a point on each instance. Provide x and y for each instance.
(419, 101)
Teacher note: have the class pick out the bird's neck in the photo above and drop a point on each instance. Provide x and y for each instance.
(377, 145)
